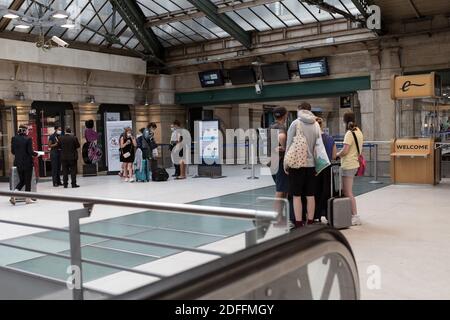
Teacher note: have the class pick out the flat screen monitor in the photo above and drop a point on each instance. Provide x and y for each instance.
(317, 67)
(242, 76)
(211, 78)
(275, 72)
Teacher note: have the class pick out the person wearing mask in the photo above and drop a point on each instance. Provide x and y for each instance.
(22, 149)
(128, 145)
(324, 178)
(174, 137)
(349, 155)
(280, 177)
(302, 181)
(69, 145)
(55, 156)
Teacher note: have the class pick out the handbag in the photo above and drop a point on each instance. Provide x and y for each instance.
(126, 155)
(297, 154)
(361, 159)
(321, 159)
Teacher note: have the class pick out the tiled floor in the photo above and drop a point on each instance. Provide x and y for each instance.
(158, 227)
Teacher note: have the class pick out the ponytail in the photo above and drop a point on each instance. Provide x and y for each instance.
(351, 126)
(349, 119)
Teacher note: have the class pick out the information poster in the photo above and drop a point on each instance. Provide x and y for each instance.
(113, 131)
(209, 142)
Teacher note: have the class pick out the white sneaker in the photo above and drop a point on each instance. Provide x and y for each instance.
(356, 220)
(131, 180)
(126, 180)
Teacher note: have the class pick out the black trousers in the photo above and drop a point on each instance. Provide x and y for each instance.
(55, 157)
(177, 170)
(25, 175)
(69, 167)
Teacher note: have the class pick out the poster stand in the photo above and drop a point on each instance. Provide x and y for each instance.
(209, 149)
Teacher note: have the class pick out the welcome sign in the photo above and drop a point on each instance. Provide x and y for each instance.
(415, 86)
(413, 147)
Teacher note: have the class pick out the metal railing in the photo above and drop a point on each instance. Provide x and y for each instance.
(262, 219)
(370, 145)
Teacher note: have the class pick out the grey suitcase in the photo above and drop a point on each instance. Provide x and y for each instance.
(14, 181)
(339, 212)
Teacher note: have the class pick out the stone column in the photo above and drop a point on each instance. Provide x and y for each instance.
(83, 112)
(377, 107)
(139, 116)
(240, 116)
(255, 117)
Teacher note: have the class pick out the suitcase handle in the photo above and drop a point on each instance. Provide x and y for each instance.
(333, 167)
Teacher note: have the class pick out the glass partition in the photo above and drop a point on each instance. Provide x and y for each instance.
(423, 118)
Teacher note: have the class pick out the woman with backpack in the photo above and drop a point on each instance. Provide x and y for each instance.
(350, 160)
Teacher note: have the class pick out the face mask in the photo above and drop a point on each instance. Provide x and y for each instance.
(172, 129)
(58, 132)
(129, 135)
(298, 114)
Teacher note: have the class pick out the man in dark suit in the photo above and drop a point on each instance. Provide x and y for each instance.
(22, 149)
(55, 156)
(69, 155)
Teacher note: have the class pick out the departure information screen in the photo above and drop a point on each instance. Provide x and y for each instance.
(313, 68)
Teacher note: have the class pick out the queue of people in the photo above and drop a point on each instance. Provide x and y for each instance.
(296, 176)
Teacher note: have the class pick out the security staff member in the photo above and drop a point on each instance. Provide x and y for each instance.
(55, 156)
(22, 149)
(69, 145)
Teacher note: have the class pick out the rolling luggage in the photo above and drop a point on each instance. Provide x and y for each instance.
(160, 174)
(143, 175)
(339, 212)
(14, 181)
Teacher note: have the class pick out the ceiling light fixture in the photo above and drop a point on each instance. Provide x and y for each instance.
(68, 25)
(22, 26)
(60, 14)
(10, 15)
(43, 17)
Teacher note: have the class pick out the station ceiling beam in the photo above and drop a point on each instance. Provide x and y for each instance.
(362, 6)
(332, 9)
(223, 21)
(15, 5)
(192, 13)
(135, 19)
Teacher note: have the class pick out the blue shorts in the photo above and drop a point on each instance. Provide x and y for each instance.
(281, 179)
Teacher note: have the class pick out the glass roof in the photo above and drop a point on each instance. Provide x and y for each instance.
(269, 16)
(177, 22)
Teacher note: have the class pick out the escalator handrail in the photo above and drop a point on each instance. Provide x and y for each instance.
(199, 281)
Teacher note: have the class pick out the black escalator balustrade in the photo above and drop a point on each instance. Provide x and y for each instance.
(311, 263)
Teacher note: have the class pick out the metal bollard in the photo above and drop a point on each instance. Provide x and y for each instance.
(253, 175)
(247, 157)
(376, 167)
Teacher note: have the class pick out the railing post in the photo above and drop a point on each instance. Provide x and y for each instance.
(376, 167)
(75, 248)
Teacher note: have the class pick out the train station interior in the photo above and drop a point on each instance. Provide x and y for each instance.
(209, 78)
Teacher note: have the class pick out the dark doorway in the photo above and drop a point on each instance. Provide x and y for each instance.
(47, 116)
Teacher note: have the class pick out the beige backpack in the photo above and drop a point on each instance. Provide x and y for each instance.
(297, 154)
